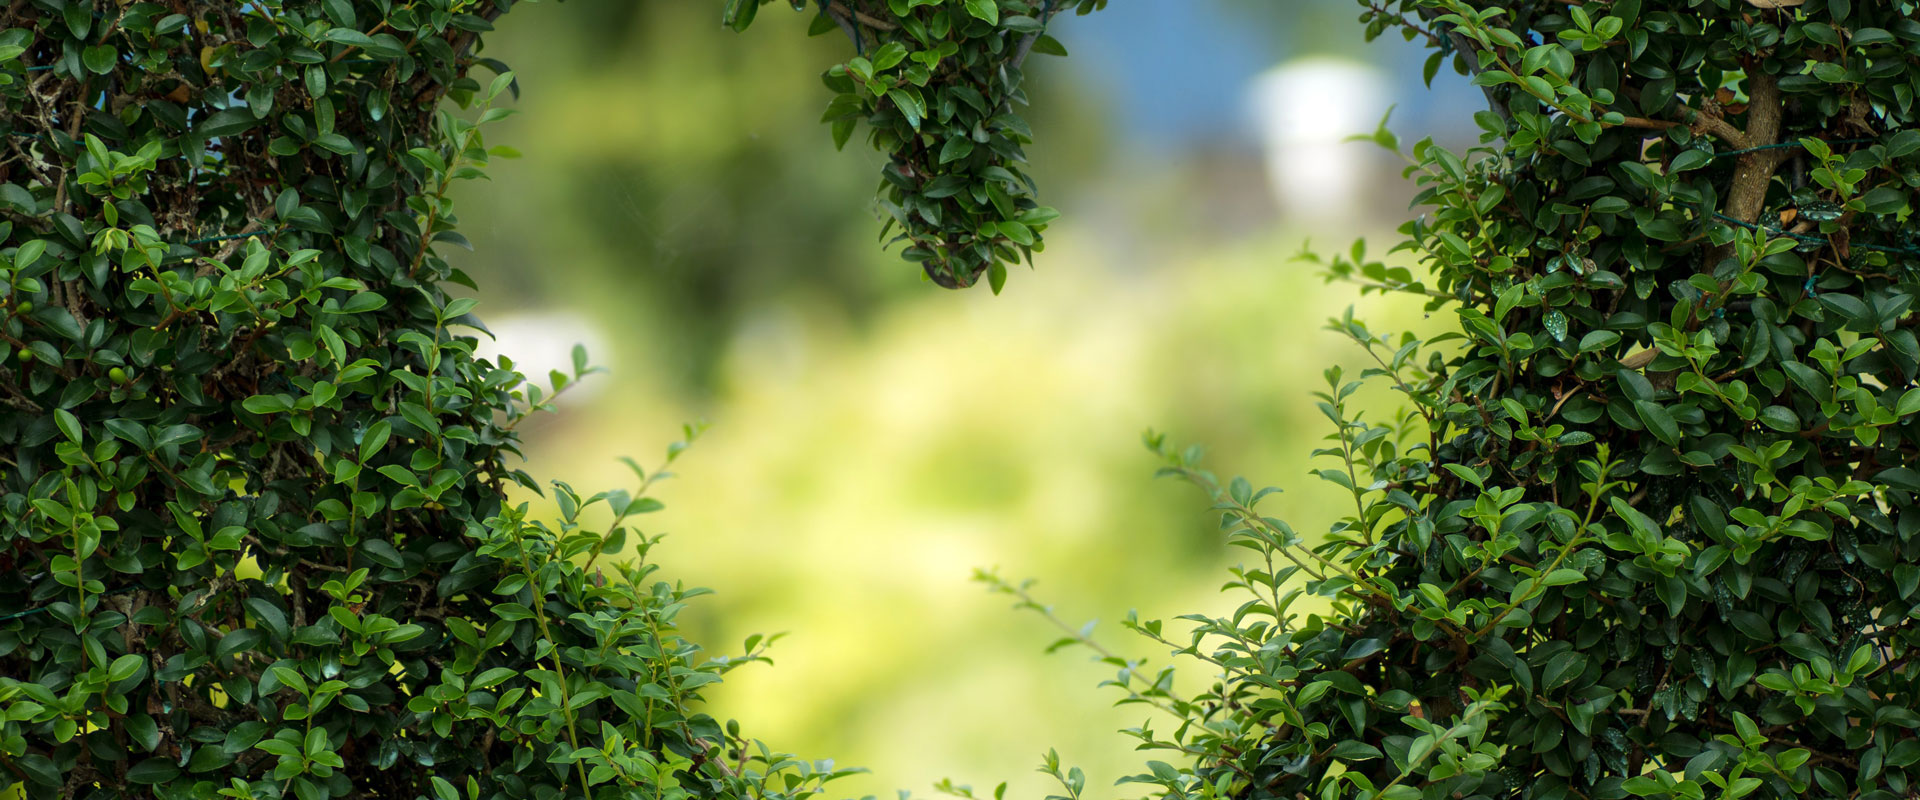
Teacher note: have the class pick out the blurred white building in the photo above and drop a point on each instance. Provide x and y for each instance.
(542, 341)
(1304, 111)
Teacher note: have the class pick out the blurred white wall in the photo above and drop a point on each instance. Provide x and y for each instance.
(1305, 109)
(542, 341)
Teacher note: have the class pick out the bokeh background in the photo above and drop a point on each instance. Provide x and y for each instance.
(679, 209)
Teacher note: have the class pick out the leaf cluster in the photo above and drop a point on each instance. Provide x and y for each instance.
(939, 85)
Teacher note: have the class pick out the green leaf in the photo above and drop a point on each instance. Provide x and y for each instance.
(152, 771)
(238, 641)
(492, 677)
(99, 59)
(1047, 45)
(267, 614)
(1908, 405)
(290, 678)
(988, 10)
(375, 438)
(889, 55)
(1467, 474)
(145, 733)
(225, 122)
(266, 404)
(1639, 522)
(316, 741)
(739, 13)
(382, 552)
(29, 253)
(910, 104)
(68, 423)
(345, 618)
(1658, 420)
(1562, 668)
(1353, 750)
(125, 667)
(1562, 577)
(278, 747)
(1690, 159)
(501, 83)
(58, 320)
(207, 758)
(459, 307)
(348, 36)
(956, 148)
(363, 302)
(175, 434)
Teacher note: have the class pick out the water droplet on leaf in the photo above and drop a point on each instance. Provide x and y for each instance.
(1821, 211)
(1556, 323)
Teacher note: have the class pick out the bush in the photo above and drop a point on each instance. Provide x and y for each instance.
(254, 479)
(1647, 525)
(937, 83)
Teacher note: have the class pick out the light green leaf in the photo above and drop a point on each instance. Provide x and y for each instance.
(988, 10)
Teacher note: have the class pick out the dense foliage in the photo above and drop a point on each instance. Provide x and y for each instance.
(1647, 526)
(253, 477)
(938, 83)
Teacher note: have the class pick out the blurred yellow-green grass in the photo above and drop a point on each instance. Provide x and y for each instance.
(853, 480)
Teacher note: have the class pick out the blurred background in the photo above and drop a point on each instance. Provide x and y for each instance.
(680, 210)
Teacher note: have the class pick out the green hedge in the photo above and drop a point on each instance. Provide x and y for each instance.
(1645, 524)
(252, 474)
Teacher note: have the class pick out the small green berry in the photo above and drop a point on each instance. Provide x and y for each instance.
(24, 307)
(117, 375)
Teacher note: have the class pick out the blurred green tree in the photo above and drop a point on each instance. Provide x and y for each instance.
(684, 174)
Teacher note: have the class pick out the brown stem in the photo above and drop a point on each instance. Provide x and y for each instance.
(6, 21)
(842, 12)
(1649, 124)
(1025, 48)
(60, 198)
(1747, 195)
(1701, 123)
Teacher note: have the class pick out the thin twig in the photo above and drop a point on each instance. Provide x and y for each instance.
(862, 17)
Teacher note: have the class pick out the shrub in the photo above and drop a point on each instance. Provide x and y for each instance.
(253, 479)
(1646, 526)
(937, 82)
